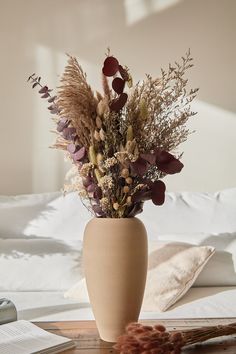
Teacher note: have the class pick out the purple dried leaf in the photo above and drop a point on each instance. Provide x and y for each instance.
(31, 77)
(69, 133)
(52, 99)
(71, 148)
(98, 210)
(87, 181)
(80, 154)
(97, 193)
(91, 188)
(62, 124)
(43, 89)
(45, 95)
(54, 110)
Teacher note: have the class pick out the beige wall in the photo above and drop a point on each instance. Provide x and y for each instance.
(34, 35)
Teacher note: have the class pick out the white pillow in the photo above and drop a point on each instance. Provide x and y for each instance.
(36, 264)
(191, 212)
(173, 268)
(52, 215)
(221, 269)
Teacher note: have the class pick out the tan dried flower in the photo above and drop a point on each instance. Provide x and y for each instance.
(129, 180)
(124, 173)
(86, 168)
(108, 163)
(116, 206)
(126, 189)
(102, 107)
(98, 122)
(104, 203)
(76, 102)
(106, 182)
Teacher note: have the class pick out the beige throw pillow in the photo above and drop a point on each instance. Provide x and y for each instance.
(172, 269)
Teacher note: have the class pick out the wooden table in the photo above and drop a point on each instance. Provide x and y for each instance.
(86, 337)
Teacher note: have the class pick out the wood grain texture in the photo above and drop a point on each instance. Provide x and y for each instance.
(87, 341)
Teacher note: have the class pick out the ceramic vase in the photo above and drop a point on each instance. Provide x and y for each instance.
(115, 264)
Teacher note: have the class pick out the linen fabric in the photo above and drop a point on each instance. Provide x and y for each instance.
(172, 269)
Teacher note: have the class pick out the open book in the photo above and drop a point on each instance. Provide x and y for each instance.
(23, 337)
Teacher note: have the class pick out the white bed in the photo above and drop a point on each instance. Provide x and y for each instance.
(210, 302)
(41, 242)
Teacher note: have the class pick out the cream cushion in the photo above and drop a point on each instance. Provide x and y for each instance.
(172, 269)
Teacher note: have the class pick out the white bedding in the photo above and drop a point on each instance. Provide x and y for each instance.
(209, 302)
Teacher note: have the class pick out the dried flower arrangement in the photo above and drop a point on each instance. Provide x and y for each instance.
(140, 339)
(120, 144)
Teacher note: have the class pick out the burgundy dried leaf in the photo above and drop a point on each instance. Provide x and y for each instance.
(43, 89)
(118, 103)
(124, 74)
(167, 163)
(110, 66)
(35, 84)
(80, 154)
(149, 157)
(158, 192)
(139, 166)
(118, 85)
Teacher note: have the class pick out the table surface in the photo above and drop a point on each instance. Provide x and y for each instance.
(86, 338)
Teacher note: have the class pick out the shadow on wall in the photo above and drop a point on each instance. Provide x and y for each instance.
(144, 34)
(15, 219)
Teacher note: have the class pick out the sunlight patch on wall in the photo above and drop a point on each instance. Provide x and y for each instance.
(137, 10)
(48, 165)
(45, 161)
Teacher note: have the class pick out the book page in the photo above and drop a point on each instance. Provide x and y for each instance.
(23, 337)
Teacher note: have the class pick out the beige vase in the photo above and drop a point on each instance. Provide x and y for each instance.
(115, 263)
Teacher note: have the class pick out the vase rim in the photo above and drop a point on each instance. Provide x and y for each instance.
(116, 219)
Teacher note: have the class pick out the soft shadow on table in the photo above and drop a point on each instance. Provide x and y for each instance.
(28, 314)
